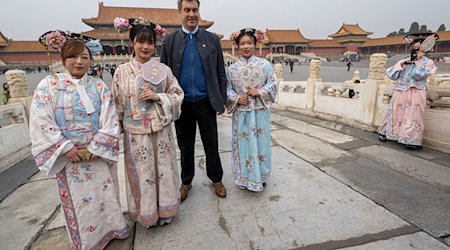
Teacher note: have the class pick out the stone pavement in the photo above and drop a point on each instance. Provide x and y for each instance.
(332, 187)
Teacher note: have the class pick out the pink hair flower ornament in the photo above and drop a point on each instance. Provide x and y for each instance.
(55, 40)
(260, 35)
(121, 24)
(160, 34)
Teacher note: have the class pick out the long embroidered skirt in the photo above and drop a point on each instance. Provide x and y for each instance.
(251, 152)
(405, 118)
(89, 199)
(153, 189)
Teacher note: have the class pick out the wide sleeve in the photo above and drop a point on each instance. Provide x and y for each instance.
(47, 140)
(394, 72)
(423, 69)
(232, 95)
(268, 92)
(117, 94)
(169, 106)
(106, 141)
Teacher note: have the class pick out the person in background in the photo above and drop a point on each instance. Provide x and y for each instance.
(252, 86)
(196, 59)
(148, 100)
(5, 93)
(74, 131)
(405, 117)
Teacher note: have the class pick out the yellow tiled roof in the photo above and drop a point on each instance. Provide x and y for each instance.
(24, 46)
(350, 29)
(324, 43)
(163, 17)
(3, 40)
(286, 36)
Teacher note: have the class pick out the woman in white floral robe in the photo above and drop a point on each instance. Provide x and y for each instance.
(148, 99)
(74, 131)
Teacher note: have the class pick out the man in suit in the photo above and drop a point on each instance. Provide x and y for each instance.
(195, 57)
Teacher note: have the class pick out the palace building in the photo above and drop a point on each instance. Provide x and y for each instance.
(349, 38)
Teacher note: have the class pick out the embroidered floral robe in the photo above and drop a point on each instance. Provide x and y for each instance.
(405, 117)
(88, 191)
(150, 152)
(251, 157)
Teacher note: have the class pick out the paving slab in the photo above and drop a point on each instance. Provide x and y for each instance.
(58, 239)
(13, 177)
(313, 150)
(316, 131)
(301, 206)
(419, 240)
(25, 212)
(419, 203)
(57, 220)
(444, 160)
(421, 169)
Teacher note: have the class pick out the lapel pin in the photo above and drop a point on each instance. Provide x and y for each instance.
(204, 45)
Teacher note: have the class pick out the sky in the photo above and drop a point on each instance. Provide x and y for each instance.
(316, 19)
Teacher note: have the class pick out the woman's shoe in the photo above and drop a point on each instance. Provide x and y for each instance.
(381, 137)
(165, 221)
(413, 146)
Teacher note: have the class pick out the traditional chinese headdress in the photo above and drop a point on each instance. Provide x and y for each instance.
(427, 40)
(258, 35)
(135, 24)
(55, 41)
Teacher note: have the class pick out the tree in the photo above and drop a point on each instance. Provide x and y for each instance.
(414, 28)
(423, 28)
(401, 31)
(441, 27)
(394, 33)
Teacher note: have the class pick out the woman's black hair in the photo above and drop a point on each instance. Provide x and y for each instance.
(142, 32)
(246, 32)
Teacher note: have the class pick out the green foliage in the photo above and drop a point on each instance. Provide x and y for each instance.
(442, 27)
(415, 28)
(394, 33)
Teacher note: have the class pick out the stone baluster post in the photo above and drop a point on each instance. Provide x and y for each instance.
(314, 76)
(279, 73)
(369, 91)
(18, 89)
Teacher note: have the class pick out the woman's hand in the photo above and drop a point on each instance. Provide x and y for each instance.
(420, 54)
(149, 95)
(253, 92)
(243, 100)
(72, 155)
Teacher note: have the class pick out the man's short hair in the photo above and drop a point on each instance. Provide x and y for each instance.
(180, 1)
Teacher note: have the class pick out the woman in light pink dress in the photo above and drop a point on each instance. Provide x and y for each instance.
(405, 116)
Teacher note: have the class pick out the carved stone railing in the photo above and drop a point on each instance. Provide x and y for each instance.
(14, 135)
(363, 102)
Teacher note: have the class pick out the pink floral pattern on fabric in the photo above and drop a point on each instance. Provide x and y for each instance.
(82, 172)
(69, 210)
(47, 154)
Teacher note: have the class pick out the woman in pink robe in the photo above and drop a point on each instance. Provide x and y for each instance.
(148, 100)
(405, 118)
